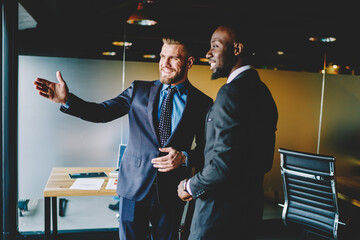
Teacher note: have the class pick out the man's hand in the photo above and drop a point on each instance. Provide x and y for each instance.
(56, 92)
(182, 193)
(172, 160)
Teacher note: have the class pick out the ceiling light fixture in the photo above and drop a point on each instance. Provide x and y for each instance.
(204, 60)
(109, 53)
(323, 39)
(141, 16)
(328, 39)
(149, 56)
(122, 43)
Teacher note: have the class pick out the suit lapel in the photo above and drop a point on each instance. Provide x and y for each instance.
(153, 106)
(187, 109)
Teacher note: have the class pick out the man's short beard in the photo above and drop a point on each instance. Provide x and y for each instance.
(229, 61)
(175, 79)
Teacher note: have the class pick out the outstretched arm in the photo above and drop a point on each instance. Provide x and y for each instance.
(56, 92)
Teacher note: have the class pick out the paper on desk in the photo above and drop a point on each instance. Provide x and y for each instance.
(112, 183)
(87, 184)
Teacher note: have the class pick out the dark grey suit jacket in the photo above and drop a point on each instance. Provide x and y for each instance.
(239, 150)
(140, 102)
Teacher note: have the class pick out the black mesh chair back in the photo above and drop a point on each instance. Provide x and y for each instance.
(309, 192)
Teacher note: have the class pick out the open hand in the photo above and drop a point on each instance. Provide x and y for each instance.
(172, 160)
(56, 92)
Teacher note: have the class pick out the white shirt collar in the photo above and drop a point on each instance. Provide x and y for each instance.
(237, 72)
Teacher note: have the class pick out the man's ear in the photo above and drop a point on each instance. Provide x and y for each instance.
(190, 62)
(238, 48)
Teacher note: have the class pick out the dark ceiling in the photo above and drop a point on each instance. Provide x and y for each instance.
(86, 28)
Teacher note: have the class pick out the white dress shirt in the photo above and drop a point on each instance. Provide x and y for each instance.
(237, 72)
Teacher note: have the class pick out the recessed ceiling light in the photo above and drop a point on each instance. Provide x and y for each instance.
(280, 52)
(151, 56)
(142, 22)
(122, 43)
(323, 39)
(109, 53)
(328, 39)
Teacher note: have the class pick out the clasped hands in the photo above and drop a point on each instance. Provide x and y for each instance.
(183, 194)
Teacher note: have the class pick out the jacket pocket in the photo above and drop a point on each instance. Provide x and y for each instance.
(132, 160)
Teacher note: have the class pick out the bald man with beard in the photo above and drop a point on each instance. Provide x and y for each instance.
(239, 149)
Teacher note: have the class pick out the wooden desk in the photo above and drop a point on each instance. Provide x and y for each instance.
(348, 188)
(59, 184)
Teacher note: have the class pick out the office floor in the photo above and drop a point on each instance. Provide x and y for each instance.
(93, 213)
(80, 213)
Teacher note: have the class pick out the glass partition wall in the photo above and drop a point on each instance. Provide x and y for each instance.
(57, 140)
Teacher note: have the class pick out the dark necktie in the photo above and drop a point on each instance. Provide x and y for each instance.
(165, 116)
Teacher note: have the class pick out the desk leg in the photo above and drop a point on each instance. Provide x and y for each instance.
(47, 218)
(54, 217)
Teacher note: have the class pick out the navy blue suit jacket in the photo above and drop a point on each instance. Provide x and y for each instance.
(140, 102)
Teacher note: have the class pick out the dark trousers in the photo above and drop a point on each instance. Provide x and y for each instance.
(135, 218)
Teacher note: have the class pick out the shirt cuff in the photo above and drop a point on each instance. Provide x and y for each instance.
(67, 104)
(186, 164)
(188, 187)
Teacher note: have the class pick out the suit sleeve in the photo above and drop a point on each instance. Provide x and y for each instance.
(228, 154)
(196, 156)
(100, 112)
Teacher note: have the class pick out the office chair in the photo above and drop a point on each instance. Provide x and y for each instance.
(310, 198)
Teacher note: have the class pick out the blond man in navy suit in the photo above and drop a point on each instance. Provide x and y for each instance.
(149, 173)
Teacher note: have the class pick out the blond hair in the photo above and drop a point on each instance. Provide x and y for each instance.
(170, 41)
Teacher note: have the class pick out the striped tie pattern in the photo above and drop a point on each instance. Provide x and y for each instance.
(165, 116)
